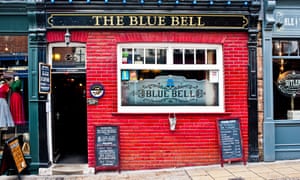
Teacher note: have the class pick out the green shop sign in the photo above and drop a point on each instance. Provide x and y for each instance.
(157, 21)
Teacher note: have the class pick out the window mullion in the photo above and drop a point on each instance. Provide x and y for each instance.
(194, 55)
(170, 57)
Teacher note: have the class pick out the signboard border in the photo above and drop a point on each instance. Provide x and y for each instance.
(51, 21)
(48, 65)
(222, 160)
(117, 167)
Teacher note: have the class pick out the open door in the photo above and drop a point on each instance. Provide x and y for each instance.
(69, 119)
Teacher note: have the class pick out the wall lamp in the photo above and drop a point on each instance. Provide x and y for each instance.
(172, 121)
(67, 37)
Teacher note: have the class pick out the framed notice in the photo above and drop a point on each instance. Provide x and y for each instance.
(44, 78)
(230, 140)
(107, 148)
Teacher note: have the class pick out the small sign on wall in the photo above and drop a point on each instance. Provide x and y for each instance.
(44, 78)
(97, 90)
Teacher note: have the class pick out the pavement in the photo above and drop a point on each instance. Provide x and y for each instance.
(279, 170)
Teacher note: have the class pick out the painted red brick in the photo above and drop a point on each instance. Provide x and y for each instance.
(145, 139)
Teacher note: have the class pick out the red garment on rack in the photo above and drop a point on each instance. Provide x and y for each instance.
(17, 108)
(16, 103)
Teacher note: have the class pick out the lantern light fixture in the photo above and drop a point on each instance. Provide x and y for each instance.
(67, 37)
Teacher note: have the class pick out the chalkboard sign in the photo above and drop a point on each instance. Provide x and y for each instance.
(107, 147)
(44, 78)
(231, 147)
(13, 156)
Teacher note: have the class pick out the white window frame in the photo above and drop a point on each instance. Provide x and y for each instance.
(176, 109)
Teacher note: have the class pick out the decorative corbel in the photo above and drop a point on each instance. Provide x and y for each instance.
(269, 14)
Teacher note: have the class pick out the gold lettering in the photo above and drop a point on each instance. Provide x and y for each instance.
(96, 19)
(142, 23)
(175, 21)
(120, 20)
(191, 21)
(161, 21)
(133, 20)
(184, 21)
(200, 22)
(108, 20)
(149, 20)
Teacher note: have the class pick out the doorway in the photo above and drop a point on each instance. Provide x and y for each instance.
(69, 118)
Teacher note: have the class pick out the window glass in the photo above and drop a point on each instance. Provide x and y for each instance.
(211, 56)
(150, 56)
(14, 90)
(172, 77)
(189, 56)
(68, 57)
(161, 56)
(178, 56)
(286, 78)
(139, 56)
(200, 56)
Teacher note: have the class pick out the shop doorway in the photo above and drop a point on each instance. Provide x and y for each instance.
(69, 119)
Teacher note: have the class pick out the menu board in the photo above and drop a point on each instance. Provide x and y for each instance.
(107, 147)
(230, 140)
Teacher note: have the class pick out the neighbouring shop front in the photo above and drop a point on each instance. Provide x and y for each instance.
(22, 107)
(162, 78)
(281, 80)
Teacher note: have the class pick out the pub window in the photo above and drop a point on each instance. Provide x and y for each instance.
(286, 78)
(14, 90)
(170, 78)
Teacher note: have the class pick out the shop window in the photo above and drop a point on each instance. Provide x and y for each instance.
(170, 78)
(286, 78)
(14, 90)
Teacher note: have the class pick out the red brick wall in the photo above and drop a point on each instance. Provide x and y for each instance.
(145, 139)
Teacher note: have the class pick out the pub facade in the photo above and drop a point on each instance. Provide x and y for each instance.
(281, 80)
(133, 85)
(158, 74)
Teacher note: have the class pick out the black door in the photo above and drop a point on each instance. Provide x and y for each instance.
(69, 124)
